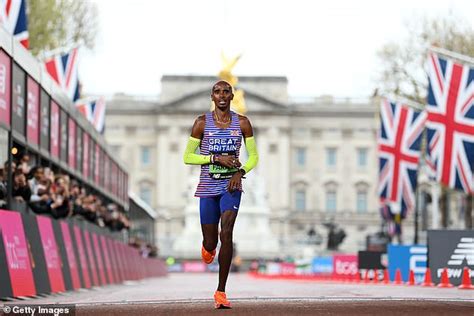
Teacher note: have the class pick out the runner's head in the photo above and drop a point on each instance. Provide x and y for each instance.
(221, 94)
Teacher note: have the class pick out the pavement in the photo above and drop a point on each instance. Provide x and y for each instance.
(191, 293)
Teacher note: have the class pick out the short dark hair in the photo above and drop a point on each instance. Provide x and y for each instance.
(222, 81)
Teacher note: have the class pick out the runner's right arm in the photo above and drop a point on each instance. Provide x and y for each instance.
(190, 157)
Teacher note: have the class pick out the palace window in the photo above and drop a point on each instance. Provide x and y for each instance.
(300, 200)
(145, 155)
(362, 157)
(331, 201)
(361, 206)
(331, 157)
(300, 156)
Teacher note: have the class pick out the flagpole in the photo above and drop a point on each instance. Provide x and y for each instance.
(448, 53)
(417, 211)
(435, 188)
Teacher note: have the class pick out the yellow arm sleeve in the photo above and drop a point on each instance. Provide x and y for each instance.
(253, 154)
(190, 157)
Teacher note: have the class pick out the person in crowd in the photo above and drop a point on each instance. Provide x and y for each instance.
(60, 198)
(34, 182)
(43, 191)
(21, 190)
(24, 164)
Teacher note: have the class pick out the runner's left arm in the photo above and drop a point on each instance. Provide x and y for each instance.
(250, 144)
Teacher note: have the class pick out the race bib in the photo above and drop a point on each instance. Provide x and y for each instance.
(221, 172)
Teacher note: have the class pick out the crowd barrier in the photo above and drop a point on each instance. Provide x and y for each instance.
(40, 255)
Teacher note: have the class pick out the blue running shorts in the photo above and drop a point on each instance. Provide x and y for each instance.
(211, 208)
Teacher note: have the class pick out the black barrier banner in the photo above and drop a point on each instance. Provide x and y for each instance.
(115, 259)
(451, 249)
(91, 256)
(121, 268)
(40, 271)
(62, 255)
(107, 263)
(84, 271)
(71, 255)
(371, 260)
(51, 254)
(98, 256)
(121, 250)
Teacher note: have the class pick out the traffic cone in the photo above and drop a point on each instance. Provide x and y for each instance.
(427, 281)
(398, 277)
(357, 278)
(445, 279)
(376, 276)
(366, 276)
(466, 280)
(411, 278)
(386, 277)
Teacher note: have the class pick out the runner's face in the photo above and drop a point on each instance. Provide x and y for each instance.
(222, 95)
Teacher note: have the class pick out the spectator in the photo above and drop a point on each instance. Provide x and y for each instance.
(24, 164)
(49, 174)
(38, 174)
(88, 204)
(60, 199)
(21, 190)
(42, 206)
(58, 196)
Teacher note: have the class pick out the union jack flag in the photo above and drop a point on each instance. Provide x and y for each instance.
(399, 145)
(450, 123)
(94, 111)
(13, 18)
(63, 70)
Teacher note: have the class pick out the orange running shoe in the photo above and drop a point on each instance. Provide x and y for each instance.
(207, 256)
(221, 301)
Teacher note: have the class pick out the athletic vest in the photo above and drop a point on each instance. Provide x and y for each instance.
(221, 141)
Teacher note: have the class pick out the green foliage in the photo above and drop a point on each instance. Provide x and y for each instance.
(402, 70)
(56, 24)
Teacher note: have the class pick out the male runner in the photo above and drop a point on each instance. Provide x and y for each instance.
(219, 135)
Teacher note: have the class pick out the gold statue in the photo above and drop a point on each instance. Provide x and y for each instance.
(238, 103)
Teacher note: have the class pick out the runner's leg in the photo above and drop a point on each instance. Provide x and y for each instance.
(226, 250)
(210, 214)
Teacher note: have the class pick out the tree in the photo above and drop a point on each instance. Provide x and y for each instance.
(54, 24)
(403, 64)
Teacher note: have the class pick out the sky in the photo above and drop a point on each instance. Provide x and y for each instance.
(322, 47)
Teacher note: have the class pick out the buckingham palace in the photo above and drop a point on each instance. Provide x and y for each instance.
(318, 163)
